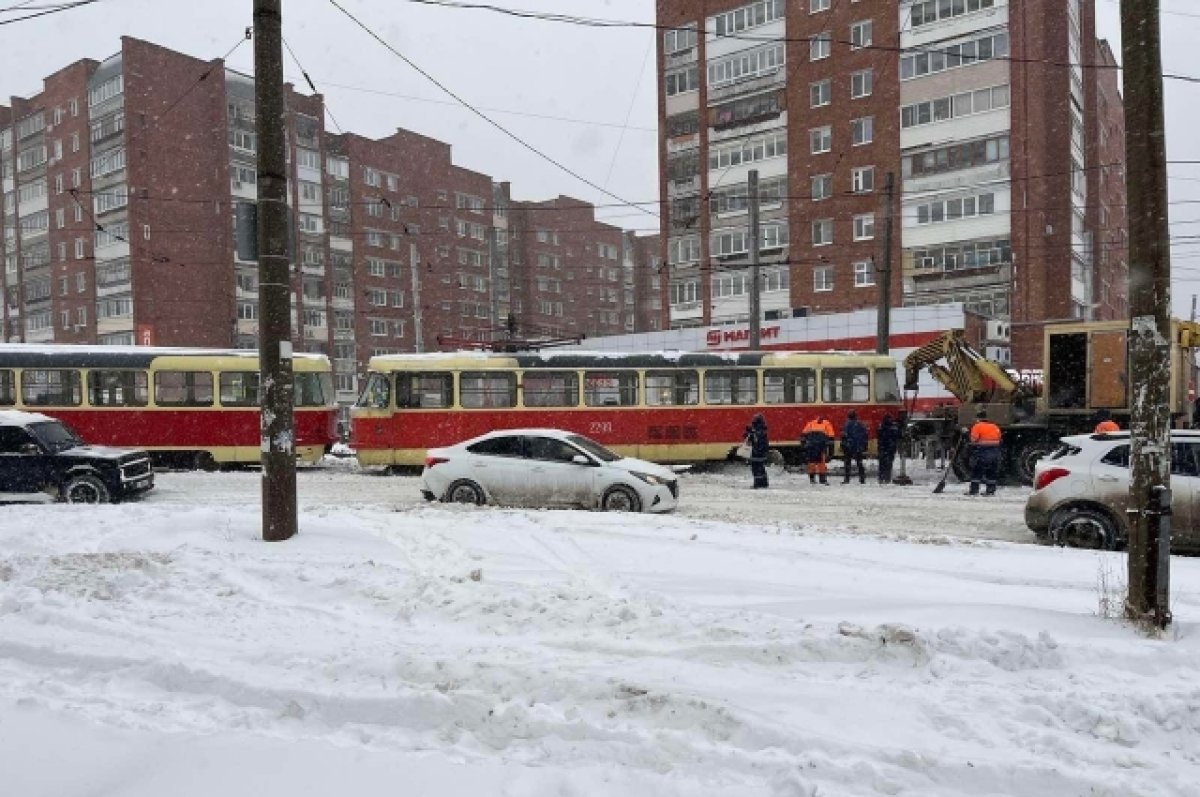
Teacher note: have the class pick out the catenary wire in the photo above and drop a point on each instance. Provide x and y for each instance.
(558, 164)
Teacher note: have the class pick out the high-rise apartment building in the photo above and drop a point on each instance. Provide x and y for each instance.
(998, 127)
(120, 182)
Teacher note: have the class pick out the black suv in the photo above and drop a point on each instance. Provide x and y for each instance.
(40, 454)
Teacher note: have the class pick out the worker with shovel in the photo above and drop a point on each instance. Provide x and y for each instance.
(986, 452)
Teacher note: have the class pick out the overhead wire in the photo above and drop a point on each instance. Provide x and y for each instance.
(444, 88)
(569, 19)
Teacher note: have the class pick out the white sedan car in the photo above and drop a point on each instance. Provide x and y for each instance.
(546, 468)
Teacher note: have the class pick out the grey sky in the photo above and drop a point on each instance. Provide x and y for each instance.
(600, 76)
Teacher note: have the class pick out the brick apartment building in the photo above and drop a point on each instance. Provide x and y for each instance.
(120, 180)
(1000, 124)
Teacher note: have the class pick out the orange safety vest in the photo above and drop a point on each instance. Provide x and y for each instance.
(1107, 426)
(816, 426)
(985, 433)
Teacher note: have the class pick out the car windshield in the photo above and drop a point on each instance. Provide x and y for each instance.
(55, 436)
(592, 447)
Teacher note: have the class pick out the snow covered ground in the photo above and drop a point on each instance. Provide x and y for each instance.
(848, 640)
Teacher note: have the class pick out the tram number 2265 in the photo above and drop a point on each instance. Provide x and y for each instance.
(600, 427)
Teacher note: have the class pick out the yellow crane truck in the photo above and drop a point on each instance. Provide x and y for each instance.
(1085, 369)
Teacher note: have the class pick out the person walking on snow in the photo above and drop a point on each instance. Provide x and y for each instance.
(986, 451)
(756, 438)
(854, 446)
(888, 437)
(816, 437)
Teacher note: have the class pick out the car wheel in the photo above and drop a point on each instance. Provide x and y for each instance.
(85, 489)
(1027, 457)
(621, 499)
(1084, 527)
(464, 492)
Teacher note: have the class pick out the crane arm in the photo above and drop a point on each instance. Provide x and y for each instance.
(966, 373)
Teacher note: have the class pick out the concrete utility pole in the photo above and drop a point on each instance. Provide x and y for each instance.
(755, 271)
(274, 279)
(883, 332)
(1148, 600)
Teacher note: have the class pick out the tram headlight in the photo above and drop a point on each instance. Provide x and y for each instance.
(650, 478)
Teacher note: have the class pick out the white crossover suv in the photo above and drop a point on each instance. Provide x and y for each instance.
(1081, 491)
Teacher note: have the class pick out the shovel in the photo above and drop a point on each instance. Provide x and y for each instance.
(949, 465)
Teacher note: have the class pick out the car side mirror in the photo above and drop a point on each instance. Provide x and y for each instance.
(580, 459)
(29, 449)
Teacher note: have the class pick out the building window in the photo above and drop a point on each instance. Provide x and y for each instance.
(862, 179)
(823, 279)
(820, 46)
(930, 11)
(820, 93)
(105, 91)
(864, 227)
(684, 80)
(822, 232)
(860, 35)
(822, 186)
(957, 208)
(749, 16)
(964, 104)
(817, 5)
(679, 40)
(79, 249)
(862, 131)
(820, 139)
(965, 53)
(861, 83)
(864, 273)
(743, 66)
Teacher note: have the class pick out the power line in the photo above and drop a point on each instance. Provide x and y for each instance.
(507, 111)
(370, 32)
(48, 11)
(595, 22)
(311, 85)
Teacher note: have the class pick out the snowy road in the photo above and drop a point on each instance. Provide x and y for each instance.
(807, 641)
(723, 494)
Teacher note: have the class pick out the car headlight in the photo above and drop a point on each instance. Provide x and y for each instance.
(650, 478)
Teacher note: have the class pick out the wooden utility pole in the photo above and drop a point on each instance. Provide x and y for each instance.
(274, 279)
(1148, 600)
(755, 270)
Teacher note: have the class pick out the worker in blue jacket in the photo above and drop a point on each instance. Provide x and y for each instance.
(854, 446)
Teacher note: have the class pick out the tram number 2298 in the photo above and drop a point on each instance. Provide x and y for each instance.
(600, 427)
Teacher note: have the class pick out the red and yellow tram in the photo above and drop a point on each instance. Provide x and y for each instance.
(665, 407)
(187, 407)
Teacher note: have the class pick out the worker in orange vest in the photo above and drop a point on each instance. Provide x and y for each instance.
(986, 451)
(817, 435)
(1106, 424)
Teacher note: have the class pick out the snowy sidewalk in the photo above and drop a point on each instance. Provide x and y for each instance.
(161, 648)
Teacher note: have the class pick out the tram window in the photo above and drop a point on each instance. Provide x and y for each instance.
(730, 387)
(239, 388)
(43, 387)
(887, 386)
(672, 388)
(550, 388)
(8, 388)
(846, 385)
(377, 393)
(183, 389)
(425, 390)
(311, 389)
(118, 388)
(484, 389)
(610, 388)
(790, 386)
